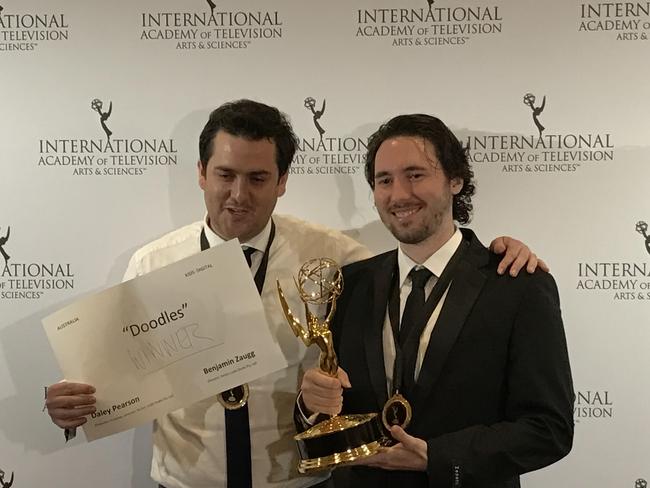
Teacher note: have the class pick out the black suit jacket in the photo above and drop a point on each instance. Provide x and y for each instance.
(494, 395)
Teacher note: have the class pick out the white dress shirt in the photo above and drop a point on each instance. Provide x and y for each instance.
(436, 264)
(189, 448)
(259, 242)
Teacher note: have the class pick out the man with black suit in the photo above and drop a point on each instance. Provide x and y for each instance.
(479, 358)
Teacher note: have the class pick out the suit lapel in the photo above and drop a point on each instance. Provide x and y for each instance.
(464, 291)
(373, 343)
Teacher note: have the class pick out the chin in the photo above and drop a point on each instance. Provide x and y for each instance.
(410, 236)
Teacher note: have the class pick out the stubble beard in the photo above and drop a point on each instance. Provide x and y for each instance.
(418, 231)
(417, 234)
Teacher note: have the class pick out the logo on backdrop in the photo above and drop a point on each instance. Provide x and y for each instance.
(429, 26)
(3, 241)
(624, 280)
(310, 104)
(20, 280)
(26, 31)
(623, 21)
(593, 405)
(3, 483)
(642, 228)
(327, 155)
(212, 29)
(529, 99)
(540, 152)
(123, 156)
(6, 484)
(640, 483)
(97, 105)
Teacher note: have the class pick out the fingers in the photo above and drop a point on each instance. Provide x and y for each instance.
(507, 246)
(67, 418)
(378, 460)
(69, 403)
(541, 264)
(397, 457)
(516, 256)
(64, 388)
(498, 245)
(506, 261)
(343, 378)
(416, 446)
(400, 435)
(323, 393)
(525, 258)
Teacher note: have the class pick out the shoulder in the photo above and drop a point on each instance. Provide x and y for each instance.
(487, 262)
(365, 266)
(318, 239)
(523, 288)
(172, 239)
(288, 224)
(177, 244)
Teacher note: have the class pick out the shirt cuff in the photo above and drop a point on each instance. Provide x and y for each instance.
(306, 420)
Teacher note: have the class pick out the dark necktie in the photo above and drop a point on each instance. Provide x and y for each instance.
(238, 435)
(248, 254)
(413, 311)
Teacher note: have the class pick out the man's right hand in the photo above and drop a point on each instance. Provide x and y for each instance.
(323, 393)
(69, 403)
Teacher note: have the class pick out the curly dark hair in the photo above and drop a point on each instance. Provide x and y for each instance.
(449, 151)
(251, 120)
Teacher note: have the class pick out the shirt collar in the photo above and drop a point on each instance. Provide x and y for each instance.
(258, 242)
(436, 262)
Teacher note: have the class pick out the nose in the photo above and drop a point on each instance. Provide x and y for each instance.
(400, 189)
(239, 189)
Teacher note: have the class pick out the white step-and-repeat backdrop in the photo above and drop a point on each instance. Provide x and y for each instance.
(101, 104)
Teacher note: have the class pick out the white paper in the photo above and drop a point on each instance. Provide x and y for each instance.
(165, 340)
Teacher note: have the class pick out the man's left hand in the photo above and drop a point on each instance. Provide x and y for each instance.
(517, 255)
(410, 454)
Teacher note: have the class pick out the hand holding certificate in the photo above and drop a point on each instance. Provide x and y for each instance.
(165, 340)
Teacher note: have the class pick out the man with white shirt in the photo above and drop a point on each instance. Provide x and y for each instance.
(243, 437)
(468, 368)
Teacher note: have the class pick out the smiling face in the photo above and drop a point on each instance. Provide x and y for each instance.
(241, 185)
(412, 192)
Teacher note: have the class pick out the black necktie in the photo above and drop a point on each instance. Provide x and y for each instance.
(248, 254)
(413, 311)
(238, 435)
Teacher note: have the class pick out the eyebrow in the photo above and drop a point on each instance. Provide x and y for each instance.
(413, 167)
(227, 169)
(259, 173)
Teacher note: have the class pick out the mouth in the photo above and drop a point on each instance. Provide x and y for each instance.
(237, 211)
(405, 213)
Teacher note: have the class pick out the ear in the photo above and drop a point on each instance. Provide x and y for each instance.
(282, 184)
(456, 185)
(201, 174)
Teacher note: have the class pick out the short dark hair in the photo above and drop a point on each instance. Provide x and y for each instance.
(251, 120)
(450, 152)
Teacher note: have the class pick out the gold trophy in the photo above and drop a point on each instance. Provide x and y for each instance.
(339, 439)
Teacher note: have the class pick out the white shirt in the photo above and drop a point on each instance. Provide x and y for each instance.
(189, 444)
(259, 242)
(436, 264)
